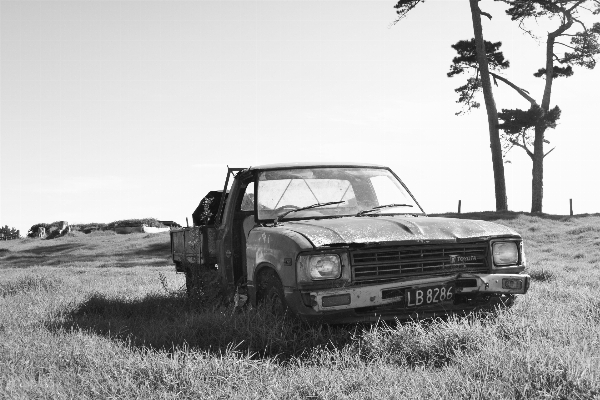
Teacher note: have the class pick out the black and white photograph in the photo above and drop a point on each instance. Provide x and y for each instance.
(299, 199)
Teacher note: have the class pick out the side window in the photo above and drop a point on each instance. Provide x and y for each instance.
(248, 199)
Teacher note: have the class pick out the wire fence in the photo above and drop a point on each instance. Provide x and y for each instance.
(570, 206)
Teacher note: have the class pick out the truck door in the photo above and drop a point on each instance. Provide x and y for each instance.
(225, 218)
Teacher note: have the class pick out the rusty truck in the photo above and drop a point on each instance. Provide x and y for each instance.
(341, 243)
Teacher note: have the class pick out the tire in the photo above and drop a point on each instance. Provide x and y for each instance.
(189, 283)
(273, 296)
(192, 282)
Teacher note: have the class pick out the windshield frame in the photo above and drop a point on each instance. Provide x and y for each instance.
(257, 173)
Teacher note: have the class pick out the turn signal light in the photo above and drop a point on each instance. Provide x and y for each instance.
(512, 283)
(337, 300)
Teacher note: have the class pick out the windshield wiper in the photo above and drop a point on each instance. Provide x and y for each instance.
(280, 216)
(363, 212)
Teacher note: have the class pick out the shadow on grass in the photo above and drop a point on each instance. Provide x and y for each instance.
(169, 321)
(83, 254)
(58, 248)
(541, 275)
(509, 215)
(172, 321)
(153, 250)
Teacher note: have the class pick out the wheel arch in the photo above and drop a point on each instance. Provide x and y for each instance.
(263, 269)
(261, 275)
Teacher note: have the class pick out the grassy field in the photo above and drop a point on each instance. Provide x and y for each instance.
(104, 316)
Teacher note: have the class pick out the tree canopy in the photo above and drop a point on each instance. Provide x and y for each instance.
(572, 42)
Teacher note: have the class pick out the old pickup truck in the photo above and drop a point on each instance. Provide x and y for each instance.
(340, 243)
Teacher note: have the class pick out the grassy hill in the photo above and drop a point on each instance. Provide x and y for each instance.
(97, 249)
(100, 316)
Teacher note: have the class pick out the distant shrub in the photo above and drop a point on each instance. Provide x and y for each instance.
(52, 227)
(34, 229)
(89, 227)
(8, 233)
(92, 226)
(150, 222)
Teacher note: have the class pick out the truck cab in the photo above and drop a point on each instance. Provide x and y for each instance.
(346, 243)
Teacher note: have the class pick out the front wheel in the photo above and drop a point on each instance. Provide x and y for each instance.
(273, 296)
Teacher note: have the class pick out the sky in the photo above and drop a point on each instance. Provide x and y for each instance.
(114, 110)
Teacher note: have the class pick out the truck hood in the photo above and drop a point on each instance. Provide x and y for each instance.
(394, 229)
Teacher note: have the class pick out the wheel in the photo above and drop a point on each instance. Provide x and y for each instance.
(273, 296)
(189, 283)
(178, 266)
(192, 282)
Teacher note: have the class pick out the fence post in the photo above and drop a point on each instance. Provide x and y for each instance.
(571, 206)
(459, 204)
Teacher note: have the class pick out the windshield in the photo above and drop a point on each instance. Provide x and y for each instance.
(358, 189)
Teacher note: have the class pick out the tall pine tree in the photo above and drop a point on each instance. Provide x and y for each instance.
(403, 7)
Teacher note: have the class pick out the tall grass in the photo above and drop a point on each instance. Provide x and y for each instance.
(73, 330)
(28, 283)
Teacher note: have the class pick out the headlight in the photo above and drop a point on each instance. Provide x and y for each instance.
(505, 253)
(320, 266)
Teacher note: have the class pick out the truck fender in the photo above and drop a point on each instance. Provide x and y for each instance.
(275, 247)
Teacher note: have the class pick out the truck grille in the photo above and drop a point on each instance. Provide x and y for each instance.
(393, 263)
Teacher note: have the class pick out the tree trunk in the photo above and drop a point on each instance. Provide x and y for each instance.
(492, 112)
(537, 172)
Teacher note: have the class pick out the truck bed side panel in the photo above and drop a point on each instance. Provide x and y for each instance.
(186, 245)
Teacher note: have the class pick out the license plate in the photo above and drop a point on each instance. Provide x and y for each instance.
(429, 295)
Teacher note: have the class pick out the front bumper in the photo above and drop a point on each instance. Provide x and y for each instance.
(368, 303)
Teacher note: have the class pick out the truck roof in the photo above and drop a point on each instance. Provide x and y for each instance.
(313, 165)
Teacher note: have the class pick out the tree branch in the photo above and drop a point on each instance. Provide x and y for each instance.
(566, 45)
(402, 13)
(580, 23)
(522, 92)
(566, 20)
(550, 151)
(483, 13)
(527, 31)
(523, 146)
(575, 5)
(469, 101)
